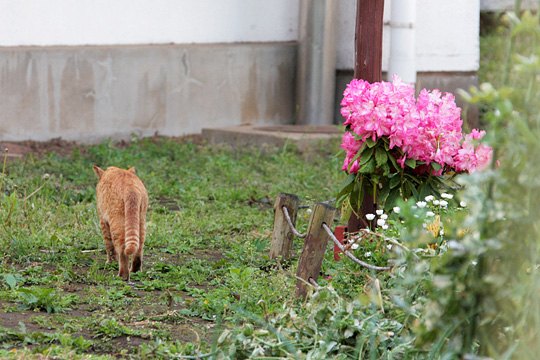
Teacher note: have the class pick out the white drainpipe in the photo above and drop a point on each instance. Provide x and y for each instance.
(402, 40)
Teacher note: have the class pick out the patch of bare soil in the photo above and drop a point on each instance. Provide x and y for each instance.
(16, 150)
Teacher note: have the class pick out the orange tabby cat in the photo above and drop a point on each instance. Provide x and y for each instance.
(122, 201)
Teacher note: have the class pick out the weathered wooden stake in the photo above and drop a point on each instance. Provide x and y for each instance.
(282, 236)
(309, 265)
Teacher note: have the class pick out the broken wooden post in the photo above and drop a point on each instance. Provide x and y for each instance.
(309, 265)
(282, 236)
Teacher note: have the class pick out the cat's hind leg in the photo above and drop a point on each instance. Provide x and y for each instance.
(123, 261)
(107, 238)
(136, 264)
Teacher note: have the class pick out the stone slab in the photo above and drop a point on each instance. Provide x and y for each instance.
(303, 137)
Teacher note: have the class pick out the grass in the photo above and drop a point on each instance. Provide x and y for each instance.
(209, 225)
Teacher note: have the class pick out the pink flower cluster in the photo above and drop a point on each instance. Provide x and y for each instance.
(426, 129)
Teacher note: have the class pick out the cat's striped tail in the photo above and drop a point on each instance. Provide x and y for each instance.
(132, 223)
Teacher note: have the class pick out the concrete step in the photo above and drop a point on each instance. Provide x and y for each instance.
(303, 137)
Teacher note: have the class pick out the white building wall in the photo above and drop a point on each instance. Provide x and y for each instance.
(446, 35)
(111, 22)
(211, 63)
(447, 31)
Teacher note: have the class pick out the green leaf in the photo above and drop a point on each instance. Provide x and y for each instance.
(10, 281)
(409, 190)
(346, 189)
(357, 195)
(383, 195)
(392, 198)
(395, 181)
(368, 167)
(424, 190)
(386, 169)
(370, 143)
(394, 162)
(349, 180)
(436, 166)
(411, 163)
(381, 157)
(366, 156)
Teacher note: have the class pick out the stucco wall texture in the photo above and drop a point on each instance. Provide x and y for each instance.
(91, 93)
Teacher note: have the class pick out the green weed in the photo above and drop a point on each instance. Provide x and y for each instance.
(44, 299)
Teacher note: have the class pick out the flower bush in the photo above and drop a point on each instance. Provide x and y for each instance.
(403, 144)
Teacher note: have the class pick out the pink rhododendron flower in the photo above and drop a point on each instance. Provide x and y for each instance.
(425, 129)
(351, 147)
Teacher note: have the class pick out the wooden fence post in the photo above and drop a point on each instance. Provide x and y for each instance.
(309, 265)
(282, 236)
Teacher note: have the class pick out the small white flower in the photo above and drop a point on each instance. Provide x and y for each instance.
(436, 202)
(354, 246)
(443, 203)
(384, 216)
(381, 222)
(385, 227)
(454, 245)
(309, 211)
(447, 196)
(389, 246)
(421, 204)
(462, 204)
(368, 254)
(441, 232)
(370, 216)
(474, 263)
(430, 214)
(379, 212)
(396, 209)
(429, 198)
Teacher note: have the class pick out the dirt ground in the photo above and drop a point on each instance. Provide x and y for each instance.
(15, 150)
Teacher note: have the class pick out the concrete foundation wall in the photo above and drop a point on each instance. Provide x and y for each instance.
(502, 5)
(90, 93)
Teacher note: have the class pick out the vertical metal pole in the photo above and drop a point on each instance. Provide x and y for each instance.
(316, 75)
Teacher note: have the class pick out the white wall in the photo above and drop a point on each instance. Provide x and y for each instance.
(446, 35)
(446, 38)
(102, 22)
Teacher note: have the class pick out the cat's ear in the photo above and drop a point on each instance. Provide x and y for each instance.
(132, 170)
(99, 171)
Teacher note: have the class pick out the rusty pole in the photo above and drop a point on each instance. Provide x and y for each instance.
(367, 66)
(368, 40)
